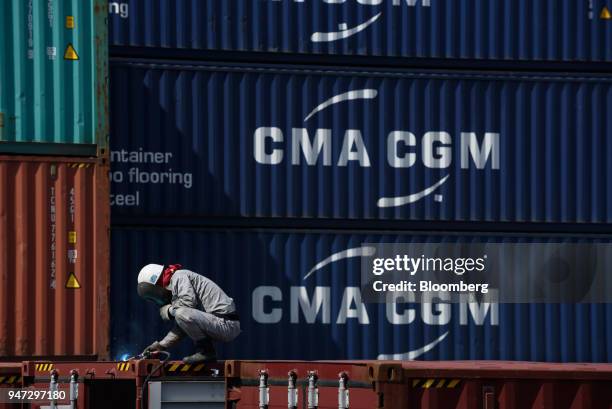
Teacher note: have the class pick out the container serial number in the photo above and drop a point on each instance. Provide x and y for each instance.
(34, 395)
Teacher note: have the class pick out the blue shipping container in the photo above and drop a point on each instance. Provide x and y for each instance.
(293, 306)
(253, 141)
(523, 30)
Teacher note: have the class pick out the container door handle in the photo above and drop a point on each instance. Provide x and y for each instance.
(488, 397)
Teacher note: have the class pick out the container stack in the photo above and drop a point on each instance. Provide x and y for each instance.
(262, 142)
(54, 207)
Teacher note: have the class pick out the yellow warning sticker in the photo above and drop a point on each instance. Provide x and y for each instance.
(70, 22)
(605, 14)
(436, 383)
(72, 282)
(72, 237)
(70, 53)
(44, 367)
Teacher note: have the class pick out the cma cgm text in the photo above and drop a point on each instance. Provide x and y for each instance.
(403, 148)
(270, 306)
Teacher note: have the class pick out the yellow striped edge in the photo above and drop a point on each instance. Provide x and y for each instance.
(9, 380)
(123, 366)
(180, 367)
(436, 383)
(453, 383)
(428, 383)
(44, 367)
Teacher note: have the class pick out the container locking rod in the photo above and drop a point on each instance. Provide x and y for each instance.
(264, 390)
(74, 388)
(292, 392)
(313, 390)
(53, 389)
(343, 392)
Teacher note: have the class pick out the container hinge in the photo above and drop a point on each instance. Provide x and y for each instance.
(264, 390)
(292, 392)
(343, 392)
(313, 390)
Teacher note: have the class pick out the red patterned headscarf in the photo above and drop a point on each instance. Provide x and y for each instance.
(167, 274)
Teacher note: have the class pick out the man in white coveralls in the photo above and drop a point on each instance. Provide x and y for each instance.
(199, 308)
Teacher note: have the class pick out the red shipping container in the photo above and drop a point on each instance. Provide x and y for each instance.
(54, 271)
(419, 385)
(120, 385)
(150, 383)
(10, 377)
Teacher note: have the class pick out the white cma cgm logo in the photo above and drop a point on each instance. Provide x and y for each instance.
(269, 306)
(435, 153)
(346, 31)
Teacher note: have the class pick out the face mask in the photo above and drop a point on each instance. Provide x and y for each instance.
(154, 293)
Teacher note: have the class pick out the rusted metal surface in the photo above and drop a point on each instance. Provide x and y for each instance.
(10, 377)
(278, 370)
(502, 369)
(497, 384)
(243, 388)
(370, 384)
(493, 394)
(54, 275)
(117, 384)
(109, 370)
(434, 385)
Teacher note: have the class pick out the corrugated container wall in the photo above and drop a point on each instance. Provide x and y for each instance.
(196, 141)
(509, 30)
(292, 306)
(54, 272)
(53, 77)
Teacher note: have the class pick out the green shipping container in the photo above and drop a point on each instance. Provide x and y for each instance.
(53, 77)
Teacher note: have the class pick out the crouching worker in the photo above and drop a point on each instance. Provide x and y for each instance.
(199, 308)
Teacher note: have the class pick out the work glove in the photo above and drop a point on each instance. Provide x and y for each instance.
(165, 312)
(154, 347)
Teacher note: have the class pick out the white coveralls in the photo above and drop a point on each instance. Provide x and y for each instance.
(198, 307)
